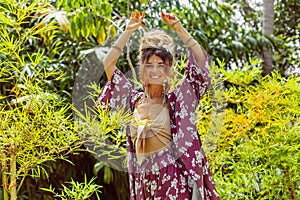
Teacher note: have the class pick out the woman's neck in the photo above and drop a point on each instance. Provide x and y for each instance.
(155, 90)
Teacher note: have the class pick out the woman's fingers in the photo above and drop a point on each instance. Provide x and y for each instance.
(170, 16)
(143, 14)
(134, 14)
(137, 15)
(167, 16)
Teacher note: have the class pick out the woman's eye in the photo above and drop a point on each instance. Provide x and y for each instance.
(149, 66)
(160, 66)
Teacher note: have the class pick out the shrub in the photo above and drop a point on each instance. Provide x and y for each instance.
(250, 130)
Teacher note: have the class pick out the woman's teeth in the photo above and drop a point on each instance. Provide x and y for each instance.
(154, 77)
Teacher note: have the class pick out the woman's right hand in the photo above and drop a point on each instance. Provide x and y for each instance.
(135, 20)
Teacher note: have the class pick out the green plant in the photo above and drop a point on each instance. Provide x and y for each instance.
(103, 133)
(32, 132)
(77, 191)
(86, 19)
(35, 124)
(105, 130)
(251, 133)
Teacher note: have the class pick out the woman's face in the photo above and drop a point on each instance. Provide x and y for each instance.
(155, 70)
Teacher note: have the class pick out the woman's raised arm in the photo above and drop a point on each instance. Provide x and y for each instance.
(111, 58)
(185, 36)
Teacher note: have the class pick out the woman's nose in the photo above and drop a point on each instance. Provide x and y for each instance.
(154, 68)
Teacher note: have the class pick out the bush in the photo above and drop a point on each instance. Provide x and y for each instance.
(251, 134)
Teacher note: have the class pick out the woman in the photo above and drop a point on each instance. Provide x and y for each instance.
(166, 159)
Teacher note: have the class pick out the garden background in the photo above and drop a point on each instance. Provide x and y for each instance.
(53, 147)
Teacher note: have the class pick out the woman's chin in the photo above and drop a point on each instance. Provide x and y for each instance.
(155, 83)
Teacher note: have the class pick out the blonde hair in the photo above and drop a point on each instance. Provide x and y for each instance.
(157, 39)
(158, 43)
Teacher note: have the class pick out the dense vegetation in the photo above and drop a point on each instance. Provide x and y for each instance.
(251, 131)
(49, 50)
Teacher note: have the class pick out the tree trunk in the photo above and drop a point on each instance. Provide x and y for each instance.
(268, 30)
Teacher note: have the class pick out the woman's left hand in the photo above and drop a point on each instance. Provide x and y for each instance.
(170, 19)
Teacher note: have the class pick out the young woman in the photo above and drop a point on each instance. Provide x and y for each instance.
(166, 159)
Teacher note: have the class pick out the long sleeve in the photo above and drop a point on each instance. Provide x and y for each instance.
(117, 93)
(183, 103)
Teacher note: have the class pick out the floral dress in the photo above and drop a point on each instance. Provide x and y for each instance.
(170, 173)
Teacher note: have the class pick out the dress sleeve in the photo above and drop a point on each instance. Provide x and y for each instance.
(117, 93)
(184, 131)
(197, 79)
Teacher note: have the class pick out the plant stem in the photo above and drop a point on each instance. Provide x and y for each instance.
(13, 174)
(4, 177)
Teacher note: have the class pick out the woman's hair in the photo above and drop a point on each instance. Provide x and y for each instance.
(156, 43)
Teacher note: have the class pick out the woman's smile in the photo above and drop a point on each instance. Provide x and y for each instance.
(155, 77)
(155, 70)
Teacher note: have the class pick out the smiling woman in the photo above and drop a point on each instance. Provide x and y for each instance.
(165, 155)
(156, 65)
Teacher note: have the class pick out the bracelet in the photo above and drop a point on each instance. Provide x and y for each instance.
(188, 40)
(174, 23)
(193, 44)
(115, 46)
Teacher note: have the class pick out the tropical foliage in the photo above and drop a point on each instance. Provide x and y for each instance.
(251, 130)
(249, 123)
(80, 191)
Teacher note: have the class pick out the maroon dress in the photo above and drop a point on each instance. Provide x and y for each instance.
(170, 173)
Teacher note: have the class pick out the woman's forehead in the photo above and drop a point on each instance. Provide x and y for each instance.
(155, 59)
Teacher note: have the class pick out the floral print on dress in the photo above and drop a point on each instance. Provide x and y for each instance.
(169, 173)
